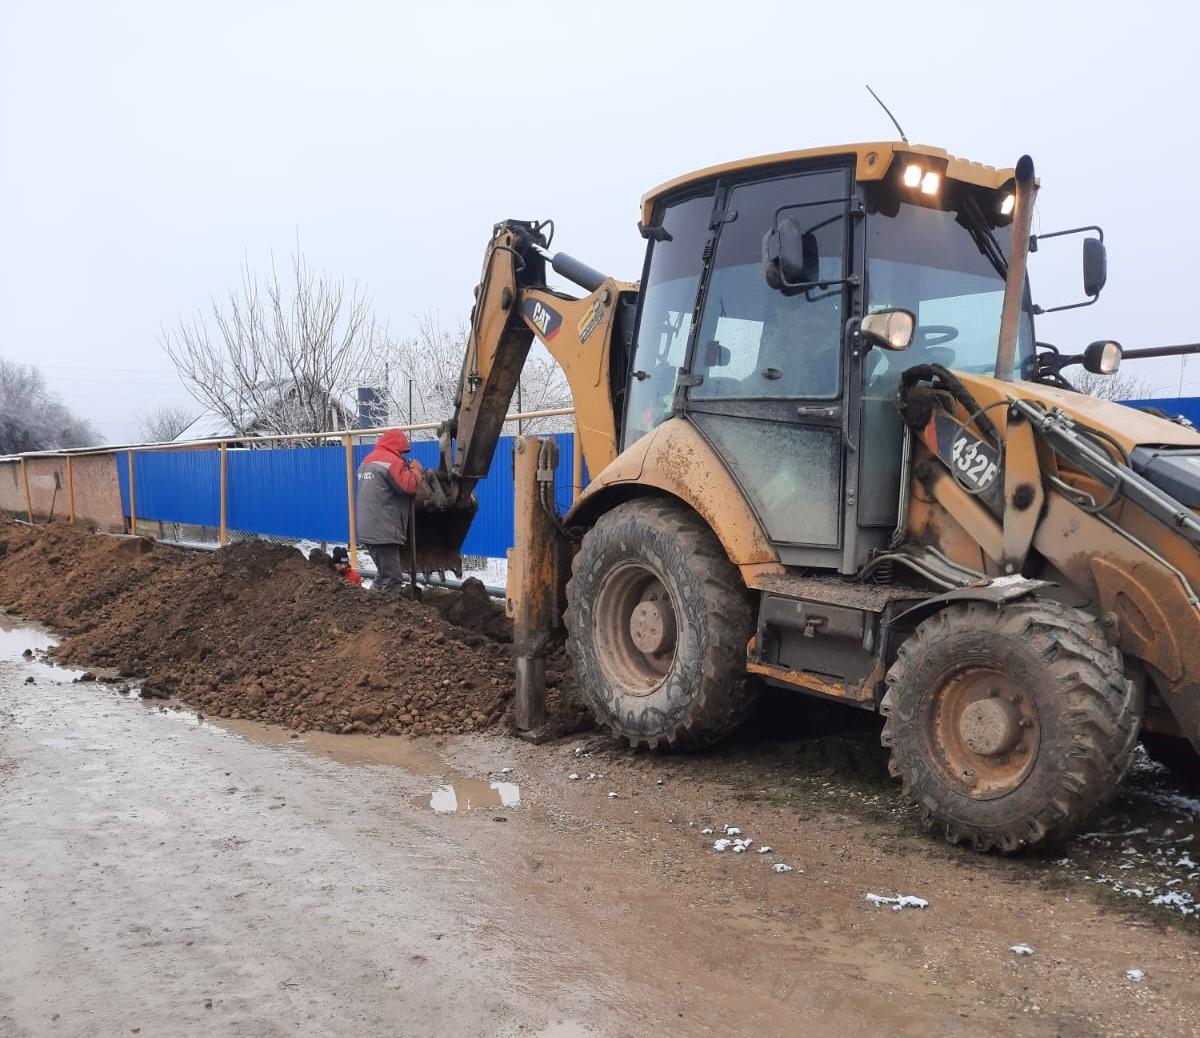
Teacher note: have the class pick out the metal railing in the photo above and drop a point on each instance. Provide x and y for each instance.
(222, 444)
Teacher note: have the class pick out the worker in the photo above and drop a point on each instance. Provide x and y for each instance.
(387, 483)
(341, 566)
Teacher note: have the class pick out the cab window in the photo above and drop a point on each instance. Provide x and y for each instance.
(755, 341)
(668, 298)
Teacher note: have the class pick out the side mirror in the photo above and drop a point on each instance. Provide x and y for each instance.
(889, 329)
(1095, 267)
(790, 255)
(1103, 357)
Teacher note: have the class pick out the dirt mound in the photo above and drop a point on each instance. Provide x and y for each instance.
(256, 631)
(472, 608)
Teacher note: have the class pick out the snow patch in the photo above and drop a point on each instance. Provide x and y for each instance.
(899, 902)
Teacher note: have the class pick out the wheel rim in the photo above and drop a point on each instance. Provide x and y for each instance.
(636, 628)
(981, 729)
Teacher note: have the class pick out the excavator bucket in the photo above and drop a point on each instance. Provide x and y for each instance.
(438, 529)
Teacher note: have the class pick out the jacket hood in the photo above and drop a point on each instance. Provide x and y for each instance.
(393, 440)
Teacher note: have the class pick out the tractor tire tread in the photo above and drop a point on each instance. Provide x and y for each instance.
(724, 698)
(1102, 719)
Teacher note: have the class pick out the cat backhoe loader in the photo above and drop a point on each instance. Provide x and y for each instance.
(827, 453)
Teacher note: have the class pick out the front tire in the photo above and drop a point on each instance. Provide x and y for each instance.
(1009, 724)
(658, 620)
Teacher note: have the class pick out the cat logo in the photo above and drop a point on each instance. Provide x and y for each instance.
(545, 320)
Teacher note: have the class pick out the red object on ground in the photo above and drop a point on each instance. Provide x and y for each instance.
(352, 575)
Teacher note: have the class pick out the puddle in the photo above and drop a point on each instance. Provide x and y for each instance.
(455, 793)
(16, 636)
(467, 794)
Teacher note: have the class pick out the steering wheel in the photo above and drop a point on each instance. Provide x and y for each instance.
(934, 335)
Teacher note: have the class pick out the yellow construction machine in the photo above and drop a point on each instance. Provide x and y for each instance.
(826, 452)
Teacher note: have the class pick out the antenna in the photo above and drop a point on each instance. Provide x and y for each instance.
(889, 112)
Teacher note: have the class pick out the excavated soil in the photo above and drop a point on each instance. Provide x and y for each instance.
(256, 631)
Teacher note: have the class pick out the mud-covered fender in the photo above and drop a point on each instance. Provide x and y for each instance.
(997, 592)
(675, 459)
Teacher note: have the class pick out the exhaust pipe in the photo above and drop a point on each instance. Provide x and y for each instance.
(1018, 263)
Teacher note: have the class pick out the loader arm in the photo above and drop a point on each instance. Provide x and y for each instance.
(513, 305)
(1063, 503)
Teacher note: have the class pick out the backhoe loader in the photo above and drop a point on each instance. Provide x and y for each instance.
(826, 452)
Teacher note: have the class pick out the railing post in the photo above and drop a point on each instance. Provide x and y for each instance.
(28, 496)
(576, 465)
(132, 498)
(71, 489)
(349, 445)
(221, 532)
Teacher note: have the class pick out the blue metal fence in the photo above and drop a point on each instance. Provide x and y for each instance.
(1188, 406)
(300, 492)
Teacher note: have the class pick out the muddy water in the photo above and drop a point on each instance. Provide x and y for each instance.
(452, 792)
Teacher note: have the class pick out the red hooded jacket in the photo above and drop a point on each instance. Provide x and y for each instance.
(386, 484)
(390, 448)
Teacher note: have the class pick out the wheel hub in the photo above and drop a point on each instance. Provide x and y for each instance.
(981, 728)
(652, 627)
(636, 631)
(989, 726)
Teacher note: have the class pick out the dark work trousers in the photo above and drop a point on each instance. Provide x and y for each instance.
(389, 565)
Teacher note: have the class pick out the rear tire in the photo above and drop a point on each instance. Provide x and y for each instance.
(1009, 725)
(658, 620)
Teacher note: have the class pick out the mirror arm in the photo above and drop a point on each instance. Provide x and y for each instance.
(798, 286)
(1039, 310)
(1033, 247)
(1035, 238)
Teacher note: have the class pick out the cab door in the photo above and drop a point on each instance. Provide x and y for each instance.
(764, 379)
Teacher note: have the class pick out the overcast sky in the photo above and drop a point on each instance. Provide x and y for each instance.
(146, 148)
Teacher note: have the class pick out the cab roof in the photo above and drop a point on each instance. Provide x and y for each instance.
(872, 161)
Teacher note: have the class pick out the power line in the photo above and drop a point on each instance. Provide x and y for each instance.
(112, 381)
(95, 367)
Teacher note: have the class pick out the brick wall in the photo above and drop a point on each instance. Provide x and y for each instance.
(97, 491)
(12, 494)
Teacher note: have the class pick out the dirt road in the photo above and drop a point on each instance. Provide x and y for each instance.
(161, 875)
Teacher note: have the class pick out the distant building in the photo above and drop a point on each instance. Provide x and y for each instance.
(273, 400)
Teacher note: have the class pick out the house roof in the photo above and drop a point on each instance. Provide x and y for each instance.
(209, 425)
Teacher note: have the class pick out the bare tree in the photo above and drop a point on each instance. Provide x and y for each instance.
(418, 378)
(282, 356)
(32, 418)
(1119, 386)
(164, 423)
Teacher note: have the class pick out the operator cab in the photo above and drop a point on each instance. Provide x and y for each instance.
(757, 277)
